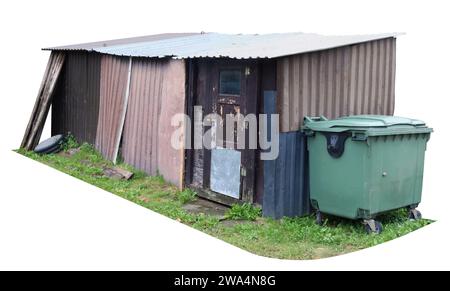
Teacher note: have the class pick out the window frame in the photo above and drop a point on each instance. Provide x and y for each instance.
(220, 83)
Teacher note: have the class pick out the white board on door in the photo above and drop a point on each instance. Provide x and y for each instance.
(226, 172)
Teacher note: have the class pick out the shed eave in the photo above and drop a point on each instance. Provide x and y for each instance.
(214, 45)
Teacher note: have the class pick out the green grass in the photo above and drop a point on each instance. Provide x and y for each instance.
(288, 238)
(187, 195)
(243, 212)
(69, 143)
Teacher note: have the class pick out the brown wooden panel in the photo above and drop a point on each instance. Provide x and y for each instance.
(202, 98)
(191, 80)
(249, 155)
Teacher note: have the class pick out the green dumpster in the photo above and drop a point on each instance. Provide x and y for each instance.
(364, 165)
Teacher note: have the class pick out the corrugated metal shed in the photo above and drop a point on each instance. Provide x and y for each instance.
(239, 46)
(357, 79)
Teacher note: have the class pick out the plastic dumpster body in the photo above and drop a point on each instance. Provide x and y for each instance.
(364, 165)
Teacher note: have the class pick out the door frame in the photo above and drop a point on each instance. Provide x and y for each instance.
(195, 96)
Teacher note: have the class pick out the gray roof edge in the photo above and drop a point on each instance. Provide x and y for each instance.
(338, 46)
(97, 46)
(89, 46)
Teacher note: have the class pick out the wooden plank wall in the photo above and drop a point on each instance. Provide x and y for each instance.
(356, 79)
(200, 167)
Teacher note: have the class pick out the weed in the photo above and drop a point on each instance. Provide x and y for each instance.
(69, 143)
(243, 211)
(187, 195)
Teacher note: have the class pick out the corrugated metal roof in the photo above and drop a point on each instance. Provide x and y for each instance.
(107, 43)
(238, 46)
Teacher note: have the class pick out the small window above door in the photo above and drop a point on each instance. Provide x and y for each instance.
(230, 82)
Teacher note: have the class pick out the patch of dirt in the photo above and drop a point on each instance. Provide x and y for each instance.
(232, 222)
(86, 162)
(143, 198)
(206, 207)
(260, 221)
(349, 248)
(320, 253)
(69, 152)
(117, 173)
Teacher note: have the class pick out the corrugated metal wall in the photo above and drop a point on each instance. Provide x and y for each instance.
(76, 100)
(171, 161)
(357, 79)
(113, 86)
(286, 183)
(286, 191)
(140, 138)
(90, 102)
(157, 92)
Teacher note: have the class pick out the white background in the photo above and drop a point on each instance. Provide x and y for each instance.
(49, 220)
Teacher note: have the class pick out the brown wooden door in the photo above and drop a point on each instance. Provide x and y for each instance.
(234, 90)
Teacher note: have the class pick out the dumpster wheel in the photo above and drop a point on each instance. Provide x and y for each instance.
(414, 214)
(373, 226)
(319, 218)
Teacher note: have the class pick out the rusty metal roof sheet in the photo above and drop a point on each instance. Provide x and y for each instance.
(214, 45)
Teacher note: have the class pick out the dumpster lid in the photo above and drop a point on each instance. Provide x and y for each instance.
(374, 123)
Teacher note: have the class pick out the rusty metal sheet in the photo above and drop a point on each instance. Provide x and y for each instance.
(157, 92)
(357, 79)
(76, 101)
(112, 106)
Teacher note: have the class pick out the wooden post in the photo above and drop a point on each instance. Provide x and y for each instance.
(43, 101)
(38, 102)
(124, 113)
